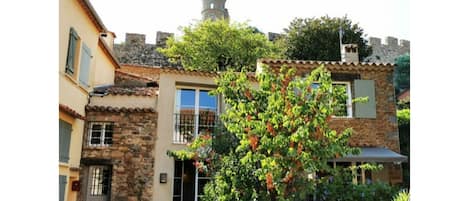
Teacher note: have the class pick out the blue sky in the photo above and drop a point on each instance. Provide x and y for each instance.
(379, 18)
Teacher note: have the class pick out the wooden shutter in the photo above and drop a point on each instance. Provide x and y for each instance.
(62, 184)
(65, 133)
(365, 88)
(85, 65)
(72, 46)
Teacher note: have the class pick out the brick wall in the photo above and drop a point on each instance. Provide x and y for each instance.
(131, 154)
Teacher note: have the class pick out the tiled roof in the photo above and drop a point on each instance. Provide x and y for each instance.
(71, 112)
(332, 65)
(133, 76)
(182, 71)
(118, 109)
(133, 91)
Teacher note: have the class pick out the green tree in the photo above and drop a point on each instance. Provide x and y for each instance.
(219, 46)
(282, 135)
(402, 73)
(318, 38)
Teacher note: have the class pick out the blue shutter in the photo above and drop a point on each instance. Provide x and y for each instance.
(65, 133)
(85, 65)
(72, 46)
(365, 88)
(62, 184)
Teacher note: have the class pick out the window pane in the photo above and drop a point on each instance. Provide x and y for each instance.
(108, 134)
(201, 185)
(95, 134)
(207, 103)
(341, 108)
(187, 101)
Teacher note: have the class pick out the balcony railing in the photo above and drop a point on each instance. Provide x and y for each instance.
(188, 126)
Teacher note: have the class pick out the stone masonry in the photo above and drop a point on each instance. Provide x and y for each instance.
(131, 155)
(387, 53)
(381, 131)
(136, 51)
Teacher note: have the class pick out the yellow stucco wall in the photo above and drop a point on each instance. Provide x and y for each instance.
(104, 70)
(72, 94)
(165, 107)
(70, 169)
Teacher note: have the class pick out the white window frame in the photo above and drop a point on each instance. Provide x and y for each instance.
(102, 136)
(196, 109)
(349, 104)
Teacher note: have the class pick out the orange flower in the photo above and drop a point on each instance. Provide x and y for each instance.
(269, 181)
(253, 140)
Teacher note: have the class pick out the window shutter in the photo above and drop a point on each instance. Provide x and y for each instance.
(65, 133)
(365, 88)
(62, 184)
(72, 45)
(85, 65)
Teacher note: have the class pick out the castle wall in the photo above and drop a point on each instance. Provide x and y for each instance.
(136, 51)
(388, 52)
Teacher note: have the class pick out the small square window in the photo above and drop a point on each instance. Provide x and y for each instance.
(100, 134)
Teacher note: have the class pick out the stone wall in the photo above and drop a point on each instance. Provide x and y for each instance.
(131, 155)
(381, 131)
(136, 51)
(387, 53)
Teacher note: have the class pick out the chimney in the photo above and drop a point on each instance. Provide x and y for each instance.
(349, 52)
(134, 39)
(161, 38)
(109, 37)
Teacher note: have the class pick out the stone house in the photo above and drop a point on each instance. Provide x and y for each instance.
(130, 127)
(85, 61)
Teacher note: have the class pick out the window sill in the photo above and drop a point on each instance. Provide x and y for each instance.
(75, 82)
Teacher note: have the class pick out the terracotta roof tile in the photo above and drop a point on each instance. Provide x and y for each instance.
(118, 109)
(332, 65)
(133, 91)
(133, 76)
(71, 112)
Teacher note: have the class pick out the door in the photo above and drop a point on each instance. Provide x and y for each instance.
(99, 183)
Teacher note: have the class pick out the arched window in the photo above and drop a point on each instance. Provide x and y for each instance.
(212, 5)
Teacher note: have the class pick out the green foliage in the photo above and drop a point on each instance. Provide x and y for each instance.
(403, 117)
(318, 38)
(282, 136)
(219, 46)
(403, 195)
(402, 73)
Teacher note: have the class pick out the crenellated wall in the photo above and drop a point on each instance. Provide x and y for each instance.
(389, 51)
(135, 51)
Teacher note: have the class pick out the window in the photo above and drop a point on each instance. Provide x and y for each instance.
(99, 182)
(212, 5)
(188, 182)
(71, 53)
(344, 108)
(65, 133)
(100, 134)
(363, 176)
(195, 113)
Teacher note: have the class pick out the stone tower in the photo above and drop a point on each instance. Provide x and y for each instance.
(214, 10)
